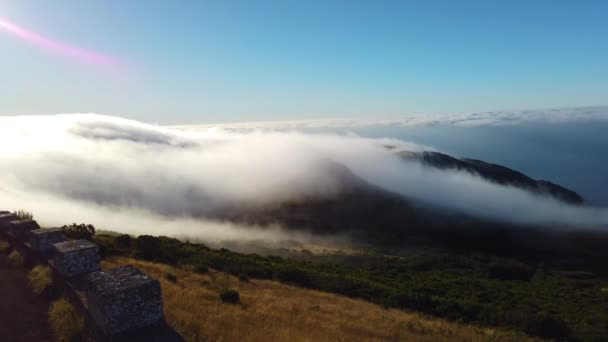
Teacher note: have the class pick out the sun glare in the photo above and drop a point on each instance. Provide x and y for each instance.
(57, 47)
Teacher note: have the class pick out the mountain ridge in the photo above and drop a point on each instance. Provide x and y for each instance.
(495, 173)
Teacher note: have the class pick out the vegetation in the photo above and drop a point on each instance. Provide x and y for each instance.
(40, 279)
(546, 299)
(65, 321)
(171, 277)
(201, 269)
(79, 231)
(16, 258)
(4, 246)
(230, 296)
(23, 215)
(270, 311)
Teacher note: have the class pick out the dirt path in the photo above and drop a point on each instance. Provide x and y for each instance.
(23, 317)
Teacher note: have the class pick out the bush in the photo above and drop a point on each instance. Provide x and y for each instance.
(123, 241)
(243, 278)
(293, 276)
(65, 321)
(547, 326)
(580, 275)
(171, 277)
(201, 269)
(23, 215)
(510, 270)
(413, 301)
(79, 231)
(148, 247)
(16, 258)
(40, 279)
(230, 296)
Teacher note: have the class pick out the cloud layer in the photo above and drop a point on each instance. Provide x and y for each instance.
(138, 178)
(496, 118)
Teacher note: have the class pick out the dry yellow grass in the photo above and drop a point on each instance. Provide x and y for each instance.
(270, 311)
(65, 321)
(16, 258)
(4, 246)
(40, 278)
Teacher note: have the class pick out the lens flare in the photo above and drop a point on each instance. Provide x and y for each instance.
(57, 47)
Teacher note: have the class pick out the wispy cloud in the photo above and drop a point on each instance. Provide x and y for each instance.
(467, 120)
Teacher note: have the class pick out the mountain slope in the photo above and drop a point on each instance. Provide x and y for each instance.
(495, 173)
(194, 310)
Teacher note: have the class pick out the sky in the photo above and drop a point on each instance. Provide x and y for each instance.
(184, 62)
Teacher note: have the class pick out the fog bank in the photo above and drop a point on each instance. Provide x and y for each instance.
(132, 177)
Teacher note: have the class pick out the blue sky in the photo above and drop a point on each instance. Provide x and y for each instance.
(224, 61)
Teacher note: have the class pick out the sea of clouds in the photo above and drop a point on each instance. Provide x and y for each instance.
(137, 178)
(495, 118)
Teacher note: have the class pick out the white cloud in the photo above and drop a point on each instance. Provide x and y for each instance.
(133, 177)
(467, 120)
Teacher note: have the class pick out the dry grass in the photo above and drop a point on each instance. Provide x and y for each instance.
(23, 214)
(65, 321)
(4, 246)
(270, 311)
(16, 258)
(40, 278)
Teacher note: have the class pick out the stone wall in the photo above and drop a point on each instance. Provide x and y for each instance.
(42, 240)
(20, 229)
(76, 258)
(120, 304)
(123, 298)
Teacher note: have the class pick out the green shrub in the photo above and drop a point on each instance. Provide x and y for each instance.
(243, 278)
(230, 296)
(547, 326)
(123, 241)
(293, 276)
(510, 270)
(148, 247)
(202, 269)
(581, 275)
(171, 277)
(79, 231)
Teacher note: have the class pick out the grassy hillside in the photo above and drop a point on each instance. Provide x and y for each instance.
(269, 310)
(565, 301)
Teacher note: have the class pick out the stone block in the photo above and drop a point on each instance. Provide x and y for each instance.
(5, 218)
(76, 258)
(21, 229)
(123, 299)
(42, 240)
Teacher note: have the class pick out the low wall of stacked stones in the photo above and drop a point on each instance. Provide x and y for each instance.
(120, 304)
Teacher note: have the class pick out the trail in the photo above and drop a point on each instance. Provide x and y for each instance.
(23, 317)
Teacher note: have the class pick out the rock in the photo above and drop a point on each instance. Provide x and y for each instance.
(42, 240)
(123, 299)
(20, 229)
(76, 258)
(5, 218)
